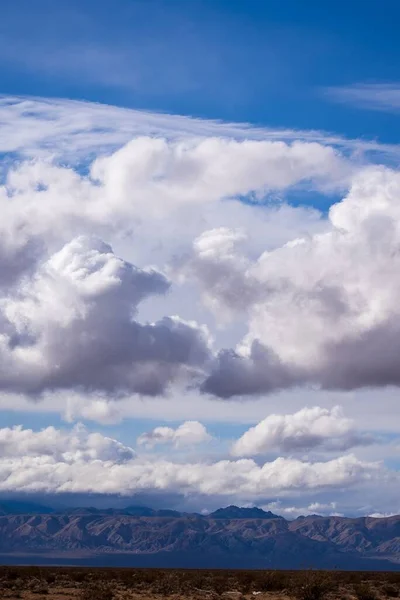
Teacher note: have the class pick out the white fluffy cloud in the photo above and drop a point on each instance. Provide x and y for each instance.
(67, 307)
(72, 325)
(321, 309)
(152, 177)
(64, 446)
(45, 204)
(76, 461)
(306, 429)
(157, 175)
(188, 433)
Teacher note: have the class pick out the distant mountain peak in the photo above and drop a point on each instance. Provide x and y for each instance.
(236, 512)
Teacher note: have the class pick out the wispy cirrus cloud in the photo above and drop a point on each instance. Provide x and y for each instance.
(371, 96)
(75, 130)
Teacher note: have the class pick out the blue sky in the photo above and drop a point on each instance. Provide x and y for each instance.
(259, 62)
(200, 234)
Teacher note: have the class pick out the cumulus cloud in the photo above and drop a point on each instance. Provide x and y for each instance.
(154, 176)
(321, 309)
(45, 204)
(173, 173)
(257, 370)
(92, 407)
(72, 325)
(222, 271)
(189, 432)
(306, 429)
(66, 318)
(63, 446)
(52, 461)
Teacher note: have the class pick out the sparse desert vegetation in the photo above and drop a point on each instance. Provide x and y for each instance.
(75, 583)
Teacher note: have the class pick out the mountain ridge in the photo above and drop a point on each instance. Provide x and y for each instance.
(231, 536)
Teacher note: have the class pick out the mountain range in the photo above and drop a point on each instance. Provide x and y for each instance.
(230, 537)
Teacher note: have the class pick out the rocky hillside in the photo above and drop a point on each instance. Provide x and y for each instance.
(229, 537)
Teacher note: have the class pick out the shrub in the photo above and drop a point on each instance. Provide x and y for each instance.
(80, 576)
(166, 584)
(312, 585)
(390, 590)
(97, 592)
(40, 588)
(271, 581)
(364, 591)
(50, 578)
(219, 584)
